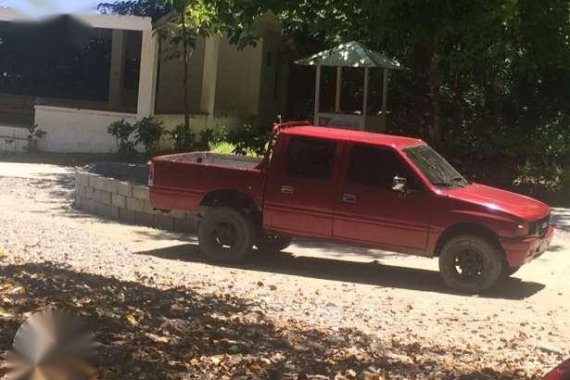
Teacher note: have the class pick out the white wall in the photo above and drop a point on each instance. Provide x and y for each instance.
(77, 130)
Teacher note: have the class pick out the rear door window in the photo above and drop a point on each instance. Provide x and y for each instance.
(311, 158)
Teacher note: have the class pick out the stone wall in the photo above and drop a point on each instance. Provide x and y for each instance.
(127, 202)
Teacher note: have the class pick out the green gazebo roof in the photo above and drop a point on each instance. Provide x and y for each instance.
(351, 54)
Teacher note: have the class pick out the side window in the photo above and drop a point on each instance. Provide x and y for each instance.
(377, 167)
(311, 158)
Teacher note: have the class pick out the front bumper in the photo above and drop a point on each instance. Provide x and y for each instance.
(521, 251)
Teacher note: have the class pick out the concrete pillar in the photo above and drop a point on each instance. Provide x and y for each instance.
(148, 74)
(210, 78)
(117, 72)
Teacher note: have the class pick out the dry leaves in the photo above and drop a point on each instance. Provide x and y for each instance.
(149, 333)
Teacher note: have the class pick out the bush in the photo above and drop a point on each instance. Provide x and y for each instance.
(545, 158)
(187, 141)
(148, 133)
(531, 158)
(122, 130)
(248, 139)
(207, 139)
(182, 138)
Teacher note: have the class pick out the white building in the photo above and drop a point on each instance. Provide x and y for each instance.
(228, 86)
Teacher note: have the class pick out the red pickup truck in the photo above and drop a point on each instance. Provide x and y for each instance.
(387, 192)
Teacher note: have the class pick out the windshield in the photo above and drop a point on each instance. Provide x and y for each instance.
(437, 170)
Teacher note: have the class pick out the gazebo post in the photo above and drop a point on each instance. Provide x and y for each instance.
(317, 95)
(338, 88)
(365, 100)
(384, 100)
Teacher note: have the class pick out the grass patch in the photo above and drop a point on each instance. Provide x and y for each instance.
(225, 147)
(222, 148)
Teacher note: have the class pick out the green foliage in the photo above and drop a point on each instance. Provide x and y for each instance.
(148, 133)
(185, 141)
(547, 158)
(182, 138)
(149, 8)
(248, 139)
(222, 147)
(207, 138)
(122, 131)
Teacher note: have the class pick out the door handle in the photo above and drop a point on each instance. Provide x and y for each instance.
(349, 198)
(289, 190)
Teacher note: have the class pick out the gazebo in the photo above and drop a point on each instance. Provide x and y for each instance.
(351, 54)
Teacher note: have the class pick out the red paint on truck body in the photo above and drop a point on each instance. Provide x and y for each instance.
(562, 372)
(336, 209)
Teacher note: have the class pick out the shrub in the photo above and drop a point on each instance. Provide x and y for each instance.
(545, 158)
(148, 133)
(248, 139)
(182, 138)
(207, 138)
(122, 130)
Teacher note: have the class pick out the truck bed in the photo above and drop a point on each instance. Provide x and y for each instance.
(215, 159)
(181, 181)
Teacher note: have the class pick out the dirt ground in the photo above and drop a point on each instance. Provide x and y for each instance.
(315, 311)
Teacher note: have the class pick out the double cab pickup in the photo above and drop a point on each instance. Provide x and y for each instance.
(380, 191)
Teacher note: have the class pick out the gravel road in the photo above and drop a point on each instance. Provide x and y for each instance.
(517, 331)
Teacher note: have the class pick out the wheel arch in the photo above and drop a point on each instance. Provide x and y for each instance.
(231, 198)
(466, 229)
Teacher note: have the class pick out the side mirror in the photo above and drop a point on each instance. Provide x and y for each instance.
(400, 184)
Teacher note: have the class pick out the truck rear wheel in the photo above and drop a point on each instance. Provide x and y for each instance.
(470, 263)
(226, 235)
(273, 243)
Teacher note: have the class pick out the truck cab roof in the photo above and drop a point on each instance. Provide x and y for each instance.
(352, 136)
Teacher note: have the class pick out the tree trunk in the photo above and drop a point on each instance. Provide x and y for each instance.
(428, 83)
(186, 79)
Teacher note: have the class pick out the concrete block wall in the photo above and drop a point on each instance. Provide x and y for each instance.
(127, 202)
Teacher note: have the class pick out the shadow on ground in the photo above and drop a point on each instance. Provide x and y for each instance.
(176, 333)
(349, 271)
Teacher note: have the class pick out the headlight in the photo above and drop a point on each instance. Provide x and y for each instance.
(522, 229)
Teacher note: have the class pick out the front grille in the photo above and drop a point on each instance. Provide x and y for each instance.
(540, 227)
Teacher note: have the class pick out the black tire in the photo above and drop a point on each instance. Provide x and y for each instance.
(273, 243)
(226, 236)
(471, 264)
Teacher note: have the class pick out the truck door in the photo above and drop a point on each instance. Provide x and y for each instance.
(368, 211)
(300, 187)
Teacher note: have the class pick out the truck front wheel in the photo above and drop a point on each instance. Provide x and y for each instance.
(470, 264)
(226, 235)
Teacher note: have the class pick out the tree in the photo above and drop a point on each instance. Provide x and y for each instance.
(148, 8)
(179, 23)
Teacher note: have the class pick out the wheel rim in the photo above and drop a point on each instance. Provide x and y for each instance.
(225, 234)
(468, 264)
